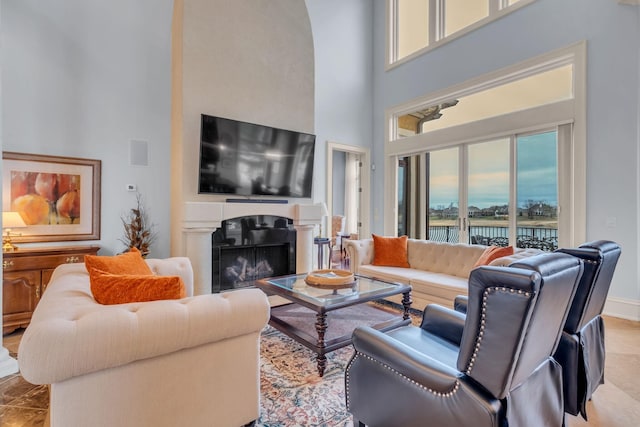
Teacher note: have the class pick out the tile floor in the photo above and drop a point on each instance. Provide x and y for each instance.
(21, 404)
(615, 404)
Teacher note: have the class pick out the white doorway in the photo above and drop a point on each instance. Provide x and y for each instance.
(348, 191)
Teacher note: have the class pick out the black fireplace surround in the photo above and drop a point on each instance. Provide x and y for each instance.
(252, 247)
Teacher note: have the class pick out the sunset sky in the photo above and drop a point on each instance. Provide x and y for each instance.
(489, 172)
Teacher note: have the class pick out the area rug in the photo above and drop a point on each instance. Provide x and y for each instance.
(292, 393)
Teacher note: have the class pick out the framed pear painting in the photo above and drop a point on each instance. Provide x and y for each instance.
(58, 198)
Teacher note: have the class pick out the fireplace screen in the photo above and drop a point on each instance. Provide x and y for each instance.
(266, 250)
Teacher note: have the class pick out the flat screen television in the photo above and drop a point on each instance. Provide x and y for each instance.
(254, 160)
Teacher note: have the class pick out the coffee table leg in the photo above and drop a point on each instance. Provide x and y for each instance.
(406, 303)
(321, 327)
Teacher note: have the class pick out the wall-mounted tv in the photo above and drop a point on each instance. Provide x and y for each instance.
(254, 160)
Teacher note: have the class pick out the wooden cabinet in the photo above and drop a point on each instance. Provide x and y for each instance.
(25, 276)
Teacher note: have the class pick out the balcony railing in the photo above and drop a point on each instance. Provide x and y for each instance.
(545, 239)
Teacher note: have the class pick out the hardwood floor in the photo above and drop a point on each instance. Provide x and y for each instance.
(615, 404)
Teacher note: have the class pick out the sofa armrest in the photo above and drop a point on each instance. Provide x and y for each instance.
(70, 334)
(518, 255)
(360, 252)
(176, 266)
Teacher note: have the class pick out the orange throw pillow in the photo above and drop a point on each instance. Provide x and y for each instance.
(124, 288)
(493, 252)
(390, 251)
(127, 263)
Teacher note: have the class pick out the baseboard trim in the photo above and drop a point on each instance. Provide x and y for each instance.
(624, 308)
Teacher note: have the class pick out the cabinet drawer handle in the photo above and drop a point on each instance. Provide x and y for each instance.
(7, 264)
(72, 259)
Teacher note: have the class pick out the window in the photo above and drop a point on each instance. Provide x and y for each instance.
(475, 203)
(417, 25)
(460, 14)
(512, 175)
(542, 88)
(413, 19)
(537, 191)
(488, 201)
(443, 181)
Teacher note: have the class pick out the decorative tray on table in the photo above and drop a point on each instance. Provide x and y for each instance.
(330, 279)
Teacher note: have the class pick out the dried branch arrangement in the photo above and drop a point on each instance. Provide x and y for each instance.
(138, 232)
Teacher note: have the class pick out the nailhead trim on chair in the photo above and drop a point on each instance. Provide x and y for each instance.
(346, 380)
(483, 316)
(450, 393)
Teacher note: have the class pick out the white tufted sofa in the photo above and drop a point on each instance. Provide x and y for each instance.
(439, 271)
(190, 362)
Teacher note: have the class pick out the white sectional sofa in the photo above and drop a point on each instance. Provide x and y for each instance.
(438, 271)
(187, 362)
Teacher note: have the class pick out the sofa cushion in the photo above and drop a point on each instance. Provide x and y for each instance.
(110, 288)
(456, 259)
(390, 251)
(423, 342)
(389, 274)
(493, 252)
(127, 263)
(440, 285)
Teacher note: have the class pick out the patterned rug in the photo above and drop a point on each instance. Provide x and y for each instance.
(292, 393)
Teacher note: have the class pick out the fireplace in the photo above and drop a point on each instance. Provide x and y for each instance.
(201, 219)
(252, 247)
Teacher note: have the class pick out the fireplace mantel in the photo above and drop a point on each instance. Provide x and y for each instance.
(201, 219)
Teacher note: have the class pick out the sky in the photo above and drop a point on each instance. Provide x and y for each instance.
(489, 172)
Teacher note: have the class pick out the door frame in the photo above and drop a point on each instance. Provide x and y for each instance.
(365, 184)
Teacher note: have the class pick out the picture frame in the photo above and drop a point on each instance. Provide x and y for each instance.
(57, 197)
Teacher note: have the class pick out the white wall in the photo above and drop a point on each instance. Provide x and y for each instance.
(8, 365)
(343, 83)
(83, 79)
(612, 32)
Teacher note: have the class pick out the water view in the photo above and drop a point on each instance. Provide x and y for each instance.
(492, 170)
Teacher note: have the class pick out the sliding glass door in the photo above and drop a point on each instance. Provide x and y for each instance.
(500, 192)
(488, 192)
(537, 191)
(443, 195)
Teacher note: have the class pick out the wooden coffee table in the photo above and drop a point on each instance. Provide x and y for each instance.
(323, 319)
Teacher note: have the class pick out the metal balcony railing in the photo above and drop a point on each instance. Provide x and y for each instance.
(545, 239)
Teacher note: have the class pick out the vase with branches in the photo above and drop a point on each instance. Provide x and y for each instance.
(138, 231)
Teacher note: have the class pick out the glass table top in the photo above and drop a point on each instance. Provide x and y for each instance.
(364, 288)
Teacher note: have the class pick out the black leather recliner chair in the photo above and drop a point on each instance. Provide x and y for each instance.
(581, 351)
(492, 367)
